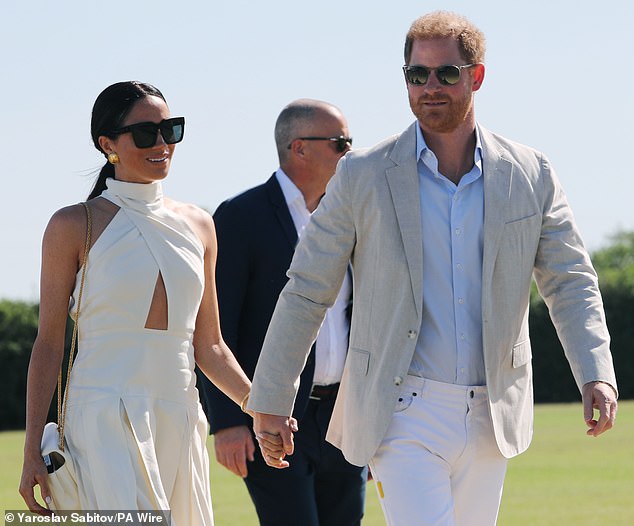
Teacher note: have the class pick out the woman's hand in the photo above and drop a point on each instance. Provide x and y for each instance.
(275, 437)
(34, 473)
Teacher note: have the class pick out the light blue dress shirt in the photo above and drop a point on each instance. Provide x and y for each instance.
(449, 346)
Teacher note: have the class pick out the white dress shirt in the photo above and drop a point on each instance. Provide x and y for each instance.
(449, 347)
(332, 341)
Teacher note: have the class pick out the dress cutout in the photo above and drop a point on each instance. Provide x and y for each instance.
(157, 317)
(134, 422)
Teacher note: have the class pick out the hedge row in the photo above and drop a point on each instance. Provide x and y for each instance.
(552, 377)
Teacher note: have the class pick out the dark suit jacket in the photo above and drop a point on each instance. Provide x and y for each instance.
(256, 241)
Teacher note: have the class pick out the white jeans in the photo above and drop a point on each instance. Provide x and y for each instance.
(439, 464)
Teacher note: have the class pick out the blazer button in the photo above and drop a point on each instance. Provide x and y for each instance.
(411, 335)
(398, 380)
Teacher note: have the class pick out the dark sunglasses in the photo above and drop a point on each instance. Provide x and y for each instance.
(447, 75)
(145, 134)
(341, 143)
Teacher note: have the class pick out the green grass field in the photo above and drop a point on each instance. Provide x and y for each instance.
(565, 478)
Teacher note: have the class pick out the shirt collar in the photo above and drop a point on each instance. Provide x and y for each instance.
(430, 160)
(292, 194)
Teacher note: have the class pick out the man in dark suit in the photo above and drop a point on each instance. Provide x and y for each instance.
(257, 233)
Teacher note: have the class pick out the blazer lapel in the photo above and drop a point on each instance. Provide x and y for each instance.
(497, 173)
(404, 187)
(276, 197)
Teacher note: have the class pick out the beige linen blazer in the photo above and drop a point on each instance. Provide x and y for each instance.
(370, 216)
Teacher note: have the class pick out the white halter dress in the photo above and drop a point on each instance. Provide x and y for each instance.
(134, 422)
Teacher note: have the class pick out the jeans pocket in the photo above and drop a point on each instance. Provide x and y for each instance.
(403, 402)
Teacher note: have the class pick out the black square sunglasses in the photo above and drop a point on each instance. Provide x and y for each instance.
(447, 75)
(341, 143)
(145, 134)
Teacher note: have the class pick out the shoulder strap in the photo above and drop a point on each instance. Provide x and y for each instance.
(62, 400)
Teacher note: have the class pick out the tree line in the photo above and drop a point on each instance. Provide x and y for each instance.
(553, 381)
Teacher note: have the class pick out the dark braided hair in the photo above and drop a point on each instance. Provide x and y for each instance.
(109, 111)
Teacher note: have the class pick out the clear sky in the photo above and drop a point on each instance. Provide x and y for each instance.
(559, 78)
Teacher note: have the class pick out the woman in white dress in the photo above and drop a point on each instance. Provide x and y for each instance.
(148, 314)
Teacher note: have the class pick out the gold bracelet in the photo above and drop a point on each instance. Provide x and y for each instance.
(243, 404)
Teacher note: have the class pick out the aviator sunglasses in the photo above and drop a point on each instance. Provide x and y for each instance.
(341, 143)
(145, 134)
(447, 75)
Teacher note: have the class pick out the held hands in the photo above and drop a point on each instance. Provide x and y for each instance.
(275, 436)
(234, 446)
(599, 396)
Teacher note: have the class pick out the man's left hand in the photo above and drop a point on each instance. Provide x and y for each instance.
(602, 397)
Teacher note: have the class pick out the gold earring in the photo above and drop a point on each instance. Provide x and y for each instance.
(113, 158)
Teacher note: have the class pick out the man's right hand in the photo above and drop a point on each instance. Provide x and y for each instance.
(275, 437)
(234, 446)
